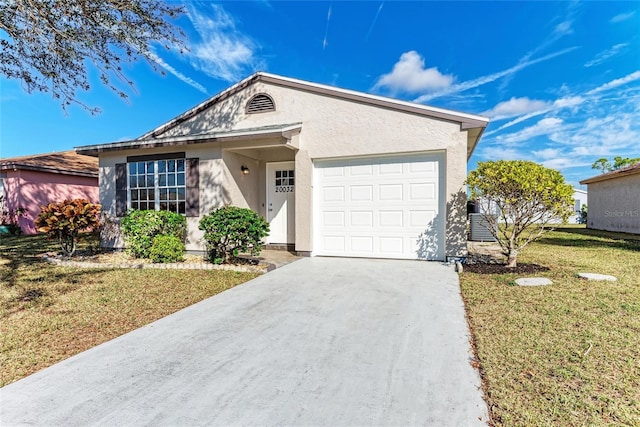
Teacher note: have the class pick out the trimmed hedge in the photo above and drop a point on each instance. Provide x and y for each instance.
(141, 227)
(166, 248)
(230, 230)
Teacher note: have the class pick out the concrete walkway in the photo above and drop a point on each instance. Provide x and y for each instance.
(322, 341)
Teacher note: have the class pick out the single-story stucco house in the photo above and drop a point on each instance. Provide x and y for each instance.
(579, 200)
(32, 181)
(335, 172)
(614, 200)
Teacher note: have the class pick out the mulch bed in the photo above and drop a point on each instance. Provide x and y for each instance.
(481, 268)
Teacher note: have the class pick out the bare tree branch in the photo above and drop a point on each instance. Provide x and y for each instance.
(48, 44)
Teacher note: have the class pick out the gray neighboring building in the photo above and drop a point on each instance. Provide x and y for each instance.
(614, 200)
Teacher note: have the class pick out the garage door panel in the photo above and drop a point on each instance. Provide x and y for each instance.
(333, 218)
(391, 219)
(384, 207)
(361, 193)
(390, 192)
(333, 194)
(422, 191)
(362, 218)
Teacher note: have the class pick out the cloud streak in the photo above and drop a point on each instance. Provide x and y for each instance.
(616, 83)
(325, 40)
(606, 54)
(373, 23)
(188, 80)
(622, 17)
(223, 52)
(470, 84)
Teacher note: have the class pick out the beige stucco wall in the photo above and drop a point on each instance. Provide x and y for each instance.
(331, 127)
(614, 204)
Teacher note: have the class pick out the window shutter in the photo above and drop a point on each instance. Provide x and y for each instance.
(121, 189)
(193, 188)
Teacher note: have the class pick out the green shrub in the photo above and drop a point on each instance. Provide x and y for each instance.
(231, 230)
(166, 248)
(141, 227)
(64, 220)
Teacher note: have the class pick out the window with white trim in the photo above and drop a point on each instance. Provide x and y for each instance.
(157, 184)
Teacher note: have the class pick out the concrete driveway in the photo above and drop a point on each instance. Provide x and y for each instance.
(322, 341)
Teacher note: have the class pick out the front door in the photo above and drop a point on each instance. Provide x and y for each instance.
(281, 198)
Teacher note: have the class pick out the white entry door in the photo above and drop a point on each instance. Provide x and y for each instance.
(281, 196)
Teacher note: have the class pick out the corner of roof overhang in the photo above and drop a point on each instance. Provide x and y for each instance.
(474, 133)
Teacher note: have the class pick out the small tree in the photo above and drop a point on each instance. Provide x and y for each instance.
(527, 197)
(231, 230)
(64, 220)
(604, 165)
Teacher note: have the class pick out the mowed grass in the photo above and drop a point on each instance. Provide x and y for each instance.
(49, 313)
(566, 354)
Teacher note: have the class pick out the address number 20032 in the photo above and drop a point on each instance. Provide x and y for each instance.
(285, 189)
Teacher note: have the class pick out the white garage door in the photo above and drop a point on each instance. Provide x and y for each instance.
(389, 207)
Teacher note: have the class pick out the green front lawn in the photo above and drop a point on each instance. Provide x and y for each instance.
(50, 313)
(566, 354)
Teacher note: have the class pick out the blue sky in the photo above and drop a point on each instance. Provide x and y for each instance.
(559, 80)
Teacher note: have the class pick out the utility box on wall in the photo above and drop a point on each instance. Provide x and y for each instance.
(480, 229)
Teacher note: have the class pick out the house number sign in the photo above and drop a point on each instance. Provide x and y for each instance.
(285, 181)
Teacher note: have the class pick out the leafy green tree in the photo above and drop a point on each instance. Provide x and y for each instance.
(527, 198)
(619, 162)
(602, 164)
(48, 44)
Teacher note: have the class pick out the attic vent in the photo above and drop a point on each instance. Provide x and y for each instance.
(260, 103)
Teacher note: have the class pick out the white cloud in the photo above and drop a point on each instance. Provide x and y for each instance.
(558, 104)
(410, 75)
(178, 74)
(501, 153)
(564, 163)
(547, 153)
(622, 17)
(564, 28)
(325, 40)
(470, 84)
(542, 127)
(606, 54)
(615, 83)
(515, 107)
(223, 52)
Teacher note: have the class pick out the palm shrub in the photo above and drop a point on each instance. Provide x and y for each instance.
(64, 220)
(141, 227)
(231, 230)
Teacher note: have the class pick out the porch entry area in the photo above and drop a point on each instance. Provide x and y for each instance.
(280, 206)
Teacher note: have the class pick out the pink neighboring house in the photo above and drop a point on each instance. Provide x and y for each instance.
(37, 180)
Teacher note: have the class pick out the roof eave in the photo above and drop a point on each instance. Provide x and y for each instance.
(95, 150)
(611, 175)
(48, 169)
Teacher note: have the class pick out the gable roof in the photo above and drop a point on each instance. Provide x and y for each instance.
(626, 171)
(473, 124)
(63, 162)
(467, 121)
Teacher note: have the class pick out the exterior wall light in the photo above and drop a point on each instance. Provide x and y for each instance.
(245, 170)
